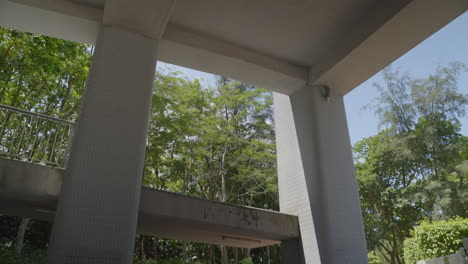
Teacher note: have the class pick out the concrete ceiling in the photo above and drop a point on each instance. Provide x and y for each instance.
(302, 32)
(281, 45)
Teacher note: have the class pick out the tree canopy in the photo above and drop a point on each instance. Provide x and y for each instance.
(415, 168)
(42, 74)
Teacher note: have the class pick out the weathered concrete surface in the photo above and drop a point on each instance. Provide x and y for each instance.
(28, 189)
(194, 219)
(32, 190)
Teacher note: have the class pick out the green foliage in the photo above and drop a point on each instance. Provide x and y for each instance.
(164, 261)
(8, 256)
(216, 144)
(42, 74)
(415, 168)
(436, 239)
(373, 258)
(385, 183)
(246, 261)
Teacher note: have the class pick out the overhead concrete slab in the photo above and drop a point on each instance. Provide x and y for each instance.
(276, 44)
(32, 190)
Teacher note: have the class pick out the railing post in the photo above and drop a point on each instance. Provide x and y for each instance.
(22, 137)
(52, 150)
(68, 146)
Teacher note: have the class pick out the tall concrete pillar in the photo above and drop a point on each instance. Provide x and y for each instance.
(317, 180)
(98, 206)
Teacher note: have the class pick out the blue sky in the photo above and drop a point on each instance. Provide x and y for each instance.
(447, 45)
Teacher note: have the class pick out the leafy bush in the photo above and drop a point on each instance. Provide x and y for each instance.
(246, 261)
(373, 258)
(436, 239)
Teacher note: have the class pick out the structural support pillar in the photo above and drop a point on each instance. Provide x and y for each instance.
(317, 180)
(98, 206)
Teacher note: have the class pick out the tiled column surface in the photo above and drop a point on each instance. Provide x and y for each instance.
(316, 178)
(98, 206)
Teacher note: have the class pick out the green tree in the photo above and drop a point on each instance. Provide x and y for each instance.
(215, 143)
(386, 186)
(415, 168)
(42, 74)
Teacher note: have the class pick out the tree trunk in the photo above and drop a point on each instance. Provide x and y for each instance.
(224, 255)
(184, 251)
(20, 236)
(247, 253)
(155, 247)
(142, 249)
(210, 254)
(268, 255)
(223, 177)
(65, 98)
(236, 255)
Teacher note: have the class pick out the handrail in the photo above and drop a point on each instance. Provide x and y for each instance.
(34, 137)
(52, 118)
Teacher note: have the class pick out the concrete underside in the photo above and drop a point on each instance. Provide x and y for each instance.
(32, 190)
(276, 44)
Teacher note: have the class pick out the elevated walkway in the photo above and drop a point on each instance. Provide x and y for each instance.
(32, 190)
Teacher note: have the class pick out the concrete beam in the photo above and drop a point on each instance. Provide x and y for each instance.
(29, 190)
(55, 18)
(65, 7)
(147, 17)
(194, 219)
(32, 190)
(179, 46)
(205, 53)
(412, 25)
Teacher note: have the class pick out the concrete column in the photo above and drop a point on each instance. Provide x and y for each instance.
(97, 210)
(316, 178)
(291, 251)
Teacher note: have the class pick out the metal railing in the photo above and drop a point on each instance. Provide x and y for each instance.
(34, 137)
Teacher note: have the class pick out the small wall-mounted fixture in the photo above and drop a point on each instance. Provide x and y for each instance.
(326, 93)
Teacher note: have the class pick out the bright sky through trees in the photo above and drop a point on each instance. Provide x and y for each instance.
(447, 45)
